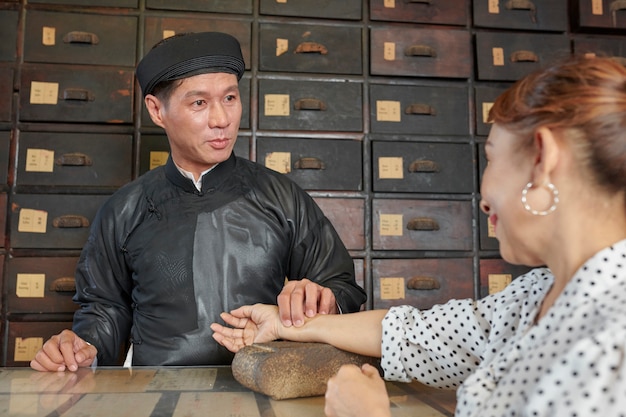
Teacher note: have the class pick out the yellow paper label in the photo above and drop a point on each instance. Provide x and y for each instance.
(282, 46)
(498, 56)
(48, 36)
(44, 93)
(30, 285)
(486, 108)
(158, 158)
(388, 111)
(39, 160)
(491, 230)
(279, 161)
(168, 33)
(497, 282)
(597, 8)
(281, 1)
(392, 288)
(389, 51)
(277, 104)
(26, 348)
(391, 224)
(494, 6)
(32, 221)
(390, 167)
(389, 4)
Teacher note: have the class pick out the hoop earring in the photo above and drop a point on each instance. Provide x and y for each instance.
(555, 200)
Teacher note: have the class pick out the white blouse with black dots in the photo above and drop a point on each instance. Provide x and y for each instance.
(571, 363)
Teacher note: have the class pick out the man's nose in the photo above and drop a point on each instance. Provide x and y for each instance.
(218, 117)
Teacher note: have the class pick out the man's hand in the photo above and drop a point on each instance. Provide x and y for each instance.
(356, 392)
(258, 323)
(64, 351)
(304, 297)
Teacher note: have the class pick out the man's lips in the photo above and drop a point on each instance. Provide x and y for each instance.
(219, 143)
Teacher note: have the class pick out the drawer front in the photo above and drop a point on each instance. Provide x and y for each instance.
(314, 164)
(155, 149)
(348, 217)
(419, 110)
(216, 6)
(421, 283)
(419, 167)
(74, 159)
(8, 33)
(105, 3)
(510, 56)
(330, 9)
(447, 12)
(496, 274)
(5, 147)
(420, 52)
(421, 224)
(484, 97)
(310, 105)
(359, 275)
(159, 28)
(41, 284)
(548, 15)
(47, 221)
(6, 93)
(310, 48)
(602, 14)
(58, 93)
(26, 338)
(3, 219)
(80, 38)
(603, 46)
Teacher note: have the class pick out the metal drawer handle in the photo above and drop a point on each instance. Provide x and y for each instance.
(615, 7)
(70, 221)
(310, 104)
(81, 37)
(524, 56)
(309, 163)
(421, 109)
(63, 284)
(420, 50)
(419, 1)
(311, 48)
(423, 283)
(422, 223)
(523, 5)
(79, 94)
(74, 159)
(424, 165)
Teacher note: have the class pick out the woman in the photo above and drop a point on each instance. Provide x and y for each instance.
(553, 342)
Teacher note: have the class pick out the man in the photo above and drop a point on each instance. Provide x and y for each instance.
(205, 233)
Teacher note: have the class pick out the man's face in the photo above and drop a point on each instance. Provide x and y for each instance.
(201, 119)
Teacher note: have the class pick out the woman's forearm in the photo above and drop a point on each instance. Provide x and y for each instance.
(359, 332)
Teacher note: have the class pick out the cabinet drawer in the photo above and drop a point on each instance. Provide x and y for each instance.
(52, 221)
(314, 164)
(348, 217)
(41, 284)
(155, 149)
(80, 38)
(310, 48)
(59, 93)
(419, 110)
(544, 15)
(5, 148)
(6, 93)
(159, 28)
(484, 97)
(3, 219)
(421, 283)
(419, 167)
(404, 50)
(602, 46)
(510, 56)
(421, 224)
(310, 105)
(216, 6)
(105, 3)
(496, 274)
(74, 159)
(599, 14)
(26, 338)
(330, 9)
(8, 34)
(447, 12)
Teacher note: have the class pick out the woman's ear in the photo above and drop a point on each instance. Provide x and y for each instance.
(155, 109)
(547, 155)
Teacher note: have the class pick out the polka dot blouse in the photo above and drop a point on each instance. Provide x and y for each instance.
(571, 363)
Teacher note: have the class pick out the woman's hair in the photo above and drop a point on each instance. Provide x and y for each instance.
(582, 97)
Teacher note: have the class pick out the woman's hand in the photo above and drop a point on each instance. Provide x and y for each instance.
(257, 323)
